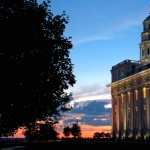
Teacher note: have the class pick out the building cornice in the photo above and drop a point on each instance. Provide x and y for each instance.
(132, 77)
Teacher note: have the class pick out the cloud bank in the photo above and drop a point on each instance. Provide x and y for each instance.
(91, 92)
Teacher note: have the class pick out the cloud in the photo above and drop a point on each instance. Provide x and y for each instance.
(110, 33)
(108, 106)
(91, 92)
(91, 114)
(72, 116)
(92, 39)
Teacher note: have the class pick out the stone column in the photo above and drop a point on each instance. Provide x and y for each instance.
(135, 113)
(145, 111)
(130, 113)
(124, 117)
(118, 115)
(114, 115)
(140, 112)
(148, 110)
(132, 104)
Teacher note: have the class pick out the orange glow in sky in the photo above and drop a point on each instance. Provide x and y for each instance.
(20, 133)
(87, 131)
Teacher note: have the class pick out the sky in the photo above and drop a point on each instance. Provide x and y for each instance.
(104, 32)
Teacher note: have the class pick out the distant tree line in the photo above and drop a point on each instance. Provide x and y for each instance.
(75, 131)
(101, 135)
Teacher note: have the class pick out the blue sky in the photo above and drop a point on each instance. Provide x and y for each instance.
(104, 32)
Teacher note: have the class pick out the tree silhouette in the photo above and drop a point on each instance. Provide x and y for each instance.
(98, 135)
(41, 131)
(76, 131)
(107, 135)
(34, 61)
(67, 131)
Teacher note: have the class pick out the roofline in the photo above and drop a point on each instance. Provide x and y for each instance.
(130, 77)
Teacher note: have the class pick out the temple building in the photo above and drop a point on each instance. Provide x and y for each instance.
(130, 91)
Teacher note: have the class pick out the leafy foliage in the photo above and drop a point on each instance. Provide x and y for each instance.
(41, 131)
(101, 135)
(76, 131)
(67, 131)
(34, 61)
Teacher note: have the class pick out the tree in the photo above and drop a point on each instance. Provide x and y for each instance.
(35, 65)
(76, 131)
(67, 131)
(107, 135)
(98, 135)
(42, 131)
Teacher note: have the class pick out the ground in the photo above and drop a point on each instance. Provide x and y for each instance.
(65, 144)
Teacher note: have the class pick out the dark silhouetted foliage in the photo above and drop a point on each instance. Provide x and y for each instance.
(97, 135)
(41, 131)
(67, 131)
(107, 135)
(100, 135)
(34, 62)
(76, 131)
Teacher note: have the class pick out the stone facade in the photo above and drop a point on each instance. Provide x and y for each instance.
(130, 91)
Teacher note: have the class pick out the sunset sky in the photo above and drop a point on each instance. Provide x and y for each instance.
(88, 130)
(104, 32)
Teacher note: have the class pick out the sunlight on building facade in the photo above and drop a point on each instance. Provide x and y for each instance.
(130, 90)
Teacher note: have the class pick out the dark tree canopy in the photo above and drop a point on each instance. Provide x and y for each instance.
(34, 61)
(67, 131)
(100, 135)
(41, 131)
(76, 131)
(97, 135)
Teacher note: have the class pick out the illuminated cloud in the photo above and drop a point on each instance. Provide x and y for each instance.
(108, 106)
(91, 39)
(90, 93)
